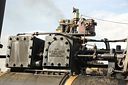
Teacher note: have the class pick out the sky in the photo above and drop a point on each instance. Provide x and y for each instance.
(43, 15)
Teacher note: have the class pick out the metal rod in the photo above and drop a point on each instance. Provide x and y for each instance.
(2, 56)
(46, 33)
(93, 40)
(99, 57)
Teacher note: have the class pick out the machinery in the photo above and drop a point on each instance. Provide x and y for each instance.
(64, 57)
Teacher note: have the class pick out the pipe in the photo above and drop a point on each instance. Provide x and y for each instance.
(109, 57)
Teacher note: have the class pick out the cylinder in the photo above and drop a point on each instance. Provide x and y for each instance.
(15, 78)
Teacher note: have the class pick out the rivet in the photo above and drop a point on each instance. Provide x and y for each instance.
(52, 64)
(66, 43)
(68, 50)
(49, 43)
(21, 65)
(46, 49)
(67, 64)
(31, 38)
(30, 47)
(54, 38)
(14, 65)
(45, 64)
(17, 38)
(30, 56)
(61, 38)
(59, 73)
(45, 56)
(7, 65)
(28, 65)
(67, 57)
(24, 38)
(10, 38)
(9, 47)
(59, 64)
(8, 56)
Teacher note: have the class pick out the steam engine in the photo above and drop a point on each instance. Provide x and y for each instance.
(66, 53)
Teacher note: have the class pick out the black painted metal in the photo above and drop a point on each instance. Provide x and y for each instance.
(2, 56)
(2, 7)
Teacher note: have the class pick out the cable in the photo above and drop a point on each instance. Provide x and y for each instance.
(105, 20)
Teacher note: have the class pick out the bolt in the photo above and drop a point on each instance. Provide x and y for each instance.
(61, 38)
(46, 49)
(9, 47)
(52, 64)
(59, 64)
(49, 43)
(7, 65)
(30, 47)
(66, 43)
(45, 64)
(55, 38)
(21, 65)
(24, 38)
(59, 73)
(68, 50)
(14, 65)
(67, 64)
(17, 38)
(67, 57)
(45, 56)
(10, 38)
(28, 65)
(30, 56)
(8, 56)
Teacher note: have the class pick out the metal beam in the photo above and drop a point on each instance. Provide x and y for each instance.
(2, 7)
